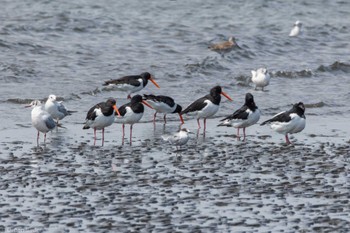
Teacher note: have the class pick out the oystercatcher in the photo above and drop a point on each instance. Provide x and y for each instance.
(131, 113)
(247, 115)
(206, 106)
(131, 83)
(56, 109)
(163, 104)
(288, 122)
(261, 78)
(101, 116)
(41, 120)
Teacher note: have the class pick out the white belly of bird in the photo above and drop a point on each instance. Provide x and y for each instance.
(129, 118)
(261, 80)
(161, 107)
(177, 139)
(209, 110)
(295, 125)
(38, 120)
(253, 118)
(101, 121)
(129, 88)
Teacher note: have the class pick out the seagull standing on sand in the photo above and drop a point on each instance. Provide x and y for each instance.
(178, 139)
(101, 116)
(246, 116)
(288, 122)
(131, 83)
(260, 78)
(56, 109)
(41, 119)
(206, 106)
(296, 30)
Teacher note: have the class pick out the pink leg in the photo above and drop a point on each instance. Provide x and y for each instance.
(130, 134)
(199, 125)
(237, 132)
(103, 136)
(243, 134)
(129, 96)
(164, 118)
(123, 135)
(205, 124)
(287, 140)
(94, 136)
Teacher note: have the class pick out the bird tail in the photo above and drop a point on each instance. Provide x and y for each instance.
(265, 122)
(59, 125)
(86, 126)
(225, 122)
(165, 137)
(70, 112)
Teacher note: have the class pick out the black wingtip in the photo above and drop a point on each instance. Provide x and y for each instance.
(86, 127)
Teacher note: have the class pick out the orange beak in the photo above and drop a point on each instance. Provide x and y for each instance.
(145, 103)
(226, 95)
(181, 119)
(116, 109)
(154, 82)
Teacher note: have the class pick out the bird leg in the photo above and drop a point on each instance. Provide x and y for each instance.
(94, 136)
(103, 136)
(37, 139)
(199, 125)
(154, 118)
(205, 124)
(164, 118)
(287, 140)
(129, 96)
(244, 134)
(238, 134)
(130, 134)
(44, 138)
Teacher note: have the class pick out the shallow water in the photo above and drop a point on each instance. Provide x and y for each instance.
(214, 183)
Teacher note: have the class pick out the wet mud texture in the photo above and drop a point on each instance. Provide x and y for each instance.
(208, 186)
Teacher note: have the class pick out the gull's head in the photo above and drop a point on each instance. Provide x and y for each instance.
(298, 23)
(34, 103)
(52, 98)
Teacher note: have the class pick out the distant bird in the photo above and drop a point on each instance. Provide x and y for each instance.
(131, 83)
(224, 47)
(41, 119)
(101, 116)
(178, 139)
(288, 122)
(260, 78)
(296, 30)
(206, 106)
(163, 104)
(131, 113)
(56, 109)
(246, 116)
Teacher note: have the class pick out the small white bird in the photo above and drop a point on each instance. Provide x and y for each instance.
(41, 119)
(296, 30)
(56, 109)
(178, 139)
(288, 122)
(260, 78)
(246, 116)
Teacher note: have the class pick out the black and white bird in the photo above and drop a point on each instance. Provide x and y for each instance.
(296, 30)
(56, 109)
(41, 119)
(163, 104)
(246, 116)
(131, 83)
(261, 78)
(101, 116)
(288, 122)
(206, 106)
(131, 113)
(177, 139)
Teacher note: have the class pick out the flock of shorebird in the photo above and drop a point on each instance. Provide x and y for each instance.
(46, 117)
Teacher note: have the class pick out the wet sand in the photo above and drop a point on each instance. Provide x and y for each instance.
(213, 184)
